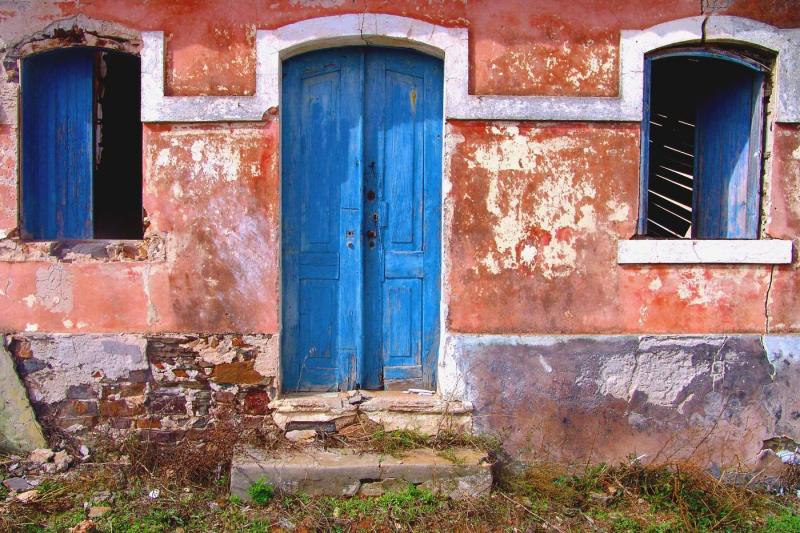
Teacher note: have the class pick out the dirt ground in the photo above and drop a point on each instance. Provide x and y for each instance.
(141, 486)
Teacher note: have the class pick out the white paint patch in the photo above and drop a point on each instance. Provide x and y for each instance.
(528, 254)
(594, 67)
(211, 160)
(177, 190)
(152, 312)
(163, 159)
(543, 362)
(197, 150)
(695, 289)
(618, 211)
(30, 328)
(451, 381)
(30, 300)
(655, 284)
(67, 323)
(559, 202)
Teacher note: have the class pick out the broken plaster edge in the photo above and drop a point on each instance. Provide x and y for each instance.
(453, 366)
(272, 46)
(753, 252)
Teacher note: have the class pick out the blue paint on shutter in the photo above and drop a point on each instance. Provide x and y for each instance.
(701, 145)
(361, 136)
(728, 153)
(57, 144)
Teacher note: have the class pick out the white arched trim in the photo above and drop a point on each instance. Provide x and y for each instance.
(452, 44)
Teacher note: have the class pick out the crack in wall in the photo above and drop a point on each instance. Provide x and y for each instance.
(766, 299)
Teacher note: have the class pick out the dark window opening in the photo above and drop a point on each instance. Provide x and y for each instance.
(702, 142)
(81, 171)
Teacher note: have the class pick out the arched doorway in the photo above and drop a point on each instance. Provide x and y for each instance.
(361, 197)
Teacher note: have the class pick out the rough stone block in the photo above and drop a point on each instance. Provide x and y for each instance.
(167, 404)
(120, 408)
(19, 429)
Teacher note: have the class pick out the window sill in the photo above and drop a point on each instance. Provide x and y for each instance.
(752, 252)
(149, 249)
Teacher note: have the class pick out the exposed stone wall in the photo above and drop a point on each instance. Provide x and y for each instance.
(175, 386)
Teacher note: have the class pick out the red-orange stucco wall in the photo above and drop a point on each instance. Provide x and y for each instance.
(537, 207)
(516, 46)
(213, 192)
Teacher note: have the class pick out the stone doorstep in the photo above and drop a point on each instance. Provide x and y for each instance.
(394, 410)
(345, 472)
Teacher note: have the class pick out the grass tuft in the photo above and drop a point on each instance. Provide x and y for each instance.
(261, 492)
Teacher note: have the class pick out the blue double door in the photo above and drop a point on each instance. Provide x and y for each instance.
(361, 197)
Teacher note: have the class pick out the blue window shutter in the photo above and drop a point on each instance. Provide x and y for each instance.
(57, 144)
(728, 157)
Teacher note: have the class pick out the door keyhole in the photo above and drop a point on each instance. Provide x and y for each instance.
(370, 195)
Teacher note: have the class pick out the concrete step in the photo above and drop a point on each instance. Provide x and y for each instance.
(329, 412)
(459, 473)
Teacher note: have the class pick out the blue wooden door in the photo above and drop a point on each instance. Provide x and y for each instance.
(361, 219)
(58, 144)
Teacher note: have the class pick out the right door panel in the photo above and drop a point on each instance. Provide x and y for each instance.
(402, 205)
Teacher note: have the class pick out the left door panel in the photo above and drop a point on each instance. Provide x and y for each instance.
(321, 212)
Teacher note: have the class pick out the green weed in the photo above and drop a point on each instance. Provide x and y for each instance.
(261, 492)
(786, 522)
(404, 506)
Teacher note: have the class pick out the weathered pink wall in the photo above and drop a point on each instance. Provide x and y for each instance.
(213, 192)
(545, 264)
(784, 223)
(517, 46)
(538, 210)
(216, 189)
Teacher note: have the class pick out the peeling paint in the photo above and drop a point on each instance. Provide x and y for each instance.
(531, 217)
(556, 202)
